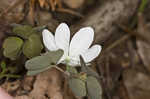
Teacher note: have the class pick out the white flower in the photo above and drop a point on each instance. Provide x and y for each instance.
(79, 44)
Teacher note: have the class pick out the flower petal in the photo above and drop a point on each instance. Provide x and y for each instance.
(62, 37)
(74, 61)
(91, 53)
(48, 40)
(81, 41)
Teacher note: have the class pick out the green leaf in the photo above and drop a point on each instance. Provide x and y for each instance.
(72, 70)
(33, 46)
(35, 72)
(12, 47)
(78, 87)
(90, 72)
(94, 88)
(3, 65)
(44, 61)
(86, 69)
(23, 31)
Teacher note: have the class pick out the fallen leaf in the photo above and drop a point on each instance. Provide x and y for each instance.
(74, 3)
(31, 13)
(137, 84)
(42, 2)
(143, 46)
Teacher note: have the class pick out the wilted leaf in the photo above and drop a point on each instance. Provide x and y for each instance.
(23, 31)
(78, 87)
(94, 88)
(33, 46)
(12, 47)
(44, 61)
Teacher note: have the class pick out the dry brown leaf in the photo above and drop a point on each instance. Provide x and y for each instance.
(70, 12)
(137, 84)
(144, 47)
(45, 18)
(11, 86)
(12, 11)
(47, 84)
(74, 3)
(27, 83)
(143, 28)
(42, 2)
(31, 13)
(54, 3)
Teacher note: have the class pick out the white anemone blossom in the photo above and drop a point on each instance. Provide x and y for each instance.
(79, 45)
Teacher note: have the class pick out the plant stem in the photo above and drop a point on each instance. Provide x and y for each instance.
(9, 76)
(61, 70)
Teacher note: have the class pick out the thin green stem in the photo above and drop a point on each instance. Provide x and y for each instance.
(143, 5)
(9, 76)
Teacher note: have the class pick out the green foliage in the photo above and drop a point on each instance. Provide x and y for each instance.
(35, 72)
(32, 46)
(41, 63)
(12, 47)
(5, 70)
(3, 65)
(30, 42)
(93, 88)
(78, 87)
(23, 31)
(71, 70)
(85, 83)
(87, 70)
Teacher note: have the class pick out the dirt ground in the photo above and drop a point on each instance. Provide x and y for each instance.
(121, 27)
